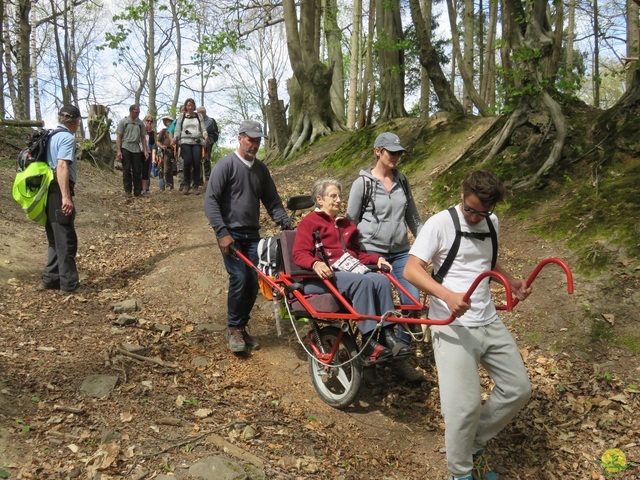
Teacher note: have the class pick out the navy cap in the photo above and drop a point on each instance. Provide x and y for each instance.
(69, 111)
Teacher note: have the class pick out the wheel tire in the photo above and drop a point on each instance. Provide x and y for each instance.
(338, 387)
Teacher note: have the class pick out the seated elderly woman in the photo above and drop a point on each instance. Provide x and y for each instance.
(370, 293)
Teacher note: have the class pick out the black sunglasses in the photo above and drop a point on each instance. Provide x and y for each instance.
(468, 209)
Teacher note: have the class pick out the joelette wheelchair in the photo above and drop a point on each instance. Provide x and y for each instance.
(333, 342)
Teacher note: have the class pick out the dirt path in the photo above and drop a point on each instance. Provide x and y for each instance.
(162, 251)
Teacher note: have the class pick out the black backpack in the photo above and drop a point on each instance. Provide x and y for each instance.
(212, 130)
(36, 151)
(367, 192)
(453, 251)
(270, 256)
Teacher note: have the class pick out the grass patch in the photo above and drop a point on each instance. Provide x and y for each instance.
(630, 343)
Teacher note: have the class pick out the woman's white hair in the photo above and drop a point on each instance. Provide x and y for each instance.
(320, 188)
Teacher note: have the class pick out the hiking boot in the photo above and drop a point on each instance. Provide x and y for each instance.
(48, 286)
(185, 191)
(374, 353)
(196, 190)
(249, 341)
(404, 368)
(236, 340)
(393, 343)
(481, 469)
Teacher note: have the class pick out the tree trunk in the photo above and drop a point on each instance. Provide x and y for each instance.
(34, 70)
(23, 54)
(103, 153)
(596, 56)
(429, 60)
(391, 59)
(152, 109)
(3, 112)
(557, 42)
(571, 31)
(178, 37)
(334, 52)
(467, 58)
(354, 64)
(315, 117)
(488, 84)
(633, 37)
(467, 75)
(277, 118)
(425, 86)
(367, 80)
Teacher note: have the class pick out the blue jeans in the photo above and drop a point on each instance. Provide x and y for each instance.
(398, 261)
(243, 280)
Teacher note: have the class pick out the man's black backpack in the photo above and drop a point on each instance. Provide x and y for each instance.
(36, 151)
(212, 130)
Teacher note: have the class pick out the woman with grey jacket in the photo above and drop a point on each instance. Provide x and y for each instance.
(381, 205)
(191, 135)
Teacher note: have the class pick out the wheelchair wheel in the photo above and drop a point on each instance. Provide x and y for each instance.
(337, 386)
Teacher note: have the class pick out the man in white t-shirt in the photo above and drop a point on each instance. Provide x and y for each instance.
(477, 335)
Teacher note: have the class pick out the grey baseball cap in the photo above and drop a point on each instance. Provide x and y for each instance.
(389, 141)
(251, 128)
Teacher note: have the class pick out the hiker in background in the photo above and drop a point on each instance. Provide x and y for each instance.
(381, 205)
(150, 160)
(370, 292)
(464, 240)
(238, 184)
(212, 131)
(131, 149)
(165, 160)
(191, 136)
(61, 272)
(166, 124)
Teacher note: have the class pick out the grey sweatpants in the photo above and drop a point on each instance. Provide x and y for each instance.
(469, 424)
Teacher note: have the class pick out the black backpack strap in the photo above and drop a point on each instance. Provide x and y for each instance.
(494, 243)
(402, 180)
(453, 251)
(367, 196)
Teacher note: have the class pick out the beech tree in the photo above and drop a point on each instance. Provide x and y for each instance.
(390, 59)
(447, 101)
(532, 40)
(310, 108)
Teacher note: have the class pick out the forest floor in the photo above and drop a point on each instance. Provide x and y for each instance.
(195, 399)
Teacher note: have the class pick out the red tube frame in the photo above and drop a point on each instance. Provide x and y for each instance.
(287, 280)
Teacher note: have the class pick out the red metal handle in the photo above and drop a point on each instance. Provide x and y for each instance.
(474, 285)
(277, 288)
(535, 273)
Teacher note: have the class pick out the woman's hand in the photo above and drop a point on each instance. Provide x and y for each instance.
(382, 261)
(322, 270)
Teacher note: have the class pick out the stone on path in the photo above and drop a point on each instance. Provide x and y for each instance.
(99, 386)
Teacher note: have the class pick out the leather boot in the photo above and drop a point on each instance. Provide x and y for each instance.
(393, 343)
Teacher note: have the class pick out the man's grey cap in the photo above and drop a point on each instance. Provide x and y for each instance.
(251, 128)
(389, 141)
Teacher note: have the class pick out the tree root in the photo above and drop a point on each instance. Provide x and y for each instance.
(520, 117)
